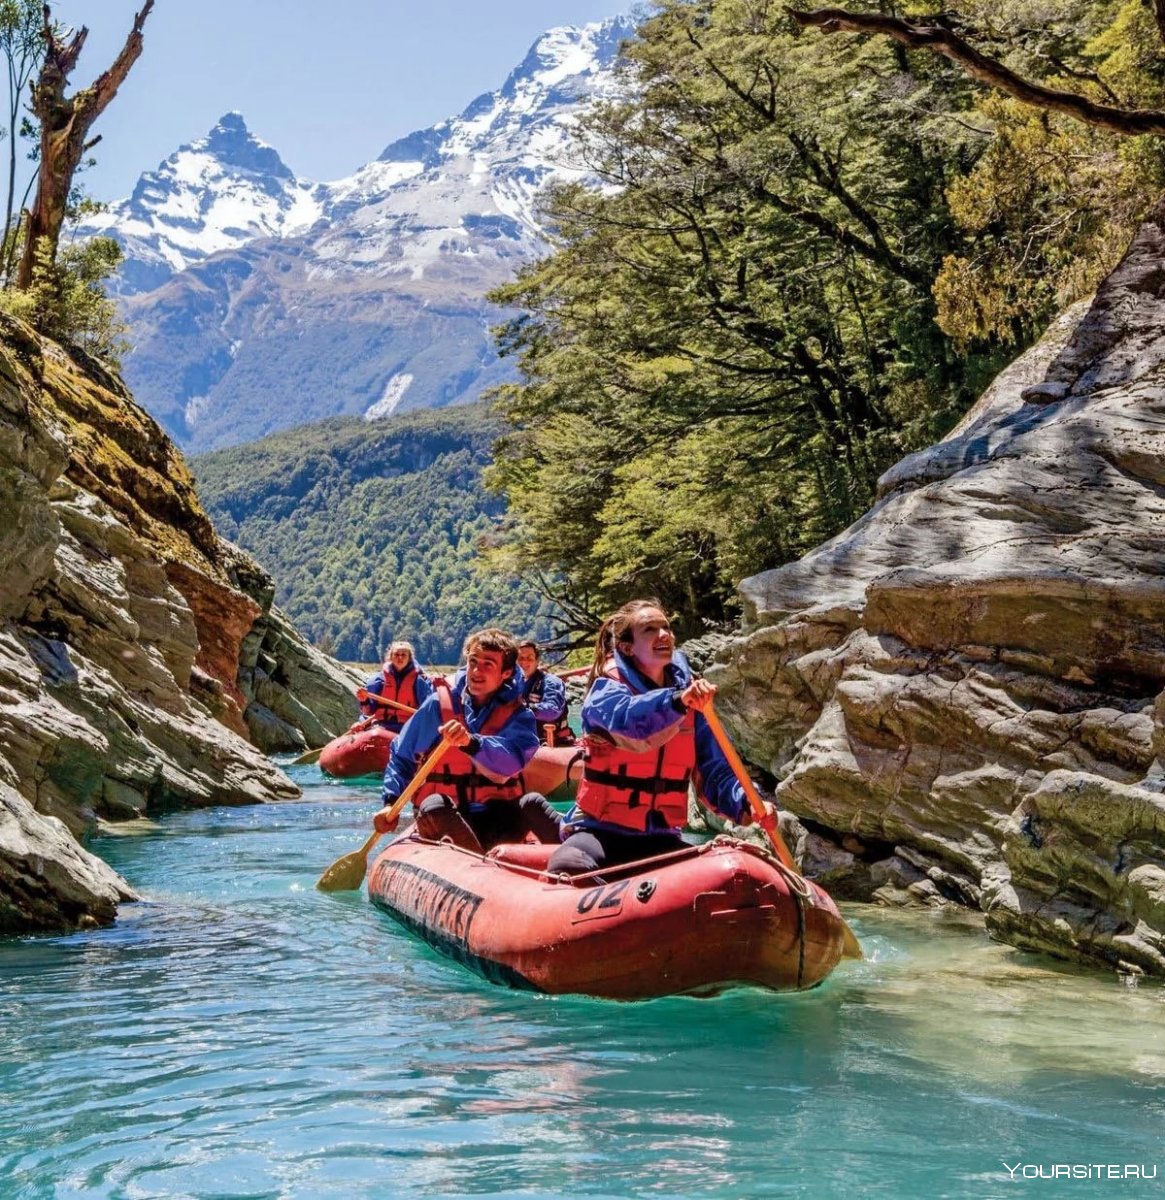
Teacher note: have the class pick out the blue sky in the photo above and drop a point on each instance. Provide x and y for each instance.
(328, 85)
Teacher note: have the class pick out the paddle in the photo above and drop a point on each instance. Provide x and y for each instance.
(347, 874)
(851, 947)
(307, 758)
(361, 694)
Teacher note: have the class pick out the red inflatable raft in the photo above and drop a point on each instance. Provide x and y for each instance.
(357, 752)
(365, 752)
(700, 920)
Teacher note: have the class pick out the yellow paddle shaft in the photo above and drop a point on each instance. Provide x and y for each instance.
(760, 814)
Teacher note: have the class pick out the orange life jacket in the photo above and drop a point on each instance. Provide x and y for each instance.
(456, 775)
(622, 787)
(403, 691)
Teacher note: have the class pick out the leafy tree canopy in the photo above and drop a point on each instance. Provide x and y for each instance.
(373, 529)
(805, 257)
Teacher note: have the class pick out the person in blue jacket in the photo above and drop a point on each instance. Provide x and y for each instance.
(475, 795)
(545, 696)
(644, 743)
(399, 679)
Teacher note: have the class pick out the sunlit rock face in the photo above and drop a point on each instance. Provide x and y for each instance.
(141, 663)
(966, 685)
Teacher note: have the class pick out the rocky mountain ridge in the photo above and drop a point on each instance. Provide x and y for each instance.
(214, 194)
(257, 301)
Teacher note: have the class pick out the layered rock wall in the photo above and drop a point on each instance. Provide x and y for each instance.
(965, 688)
(140, 656)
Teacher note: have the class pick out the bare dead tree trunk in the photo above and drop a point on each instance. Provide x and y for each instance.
(65, 122)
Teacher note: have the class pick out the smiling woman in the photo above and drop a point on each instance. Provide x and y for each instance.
(646, 743)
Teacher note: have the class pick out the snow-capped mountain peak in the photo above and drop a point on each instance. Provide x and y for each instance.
(569, 52)
(234, 145)
(565, 66)
(480, 172)
(363, 295)
(216, 193)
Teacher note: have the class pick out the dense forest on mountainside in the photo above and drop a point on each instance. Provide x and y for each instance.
(372, 530)
(811, 254)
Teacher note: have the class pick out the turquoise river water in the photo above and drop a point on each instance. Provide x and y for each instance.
(241, 1035)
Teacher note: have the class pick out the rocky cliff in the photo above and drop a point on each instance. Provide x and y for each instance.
(964, 689)
(142, 665)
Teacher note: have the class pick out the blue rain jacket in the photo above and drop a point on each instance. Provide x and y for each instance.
(553, 702)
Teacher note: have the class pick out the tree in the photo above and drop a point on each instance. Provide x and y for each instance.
(735, 335)
(65, 122)
(1075, 158)
(66, 299)
(22, 44)
(804, 259)
(938, 37)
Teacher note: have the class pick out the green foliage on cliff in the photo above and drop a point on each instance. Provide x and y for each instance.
(811, 255)
(1049, 204)
(66, 299)
(372, 530)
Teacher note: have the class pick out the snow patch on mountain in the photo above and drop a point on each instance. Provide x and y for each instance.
(195, 407)
(394, 392)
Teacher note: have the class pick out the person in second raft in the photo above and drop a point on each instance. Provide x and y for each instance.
(474, 796)
(644, 741)
(545, 697)
(399, 679)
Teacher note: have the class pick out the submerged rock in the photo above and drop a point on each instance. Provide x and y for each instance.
(967, 683)
(142, 664)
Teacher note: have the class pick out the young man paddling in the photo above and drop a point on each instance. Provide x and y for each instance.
(475, 795)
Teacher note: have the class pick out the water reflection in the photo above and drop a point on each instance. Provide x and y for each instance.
(944, 993)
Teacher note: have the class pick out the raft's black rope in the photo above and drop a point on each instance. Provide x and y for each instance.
(802, 893)
(801, 937)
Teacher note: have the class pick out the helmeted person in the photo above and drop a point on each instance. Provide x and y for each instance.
(475, 795)
(401, 680)
(545, 697)
(644, 741)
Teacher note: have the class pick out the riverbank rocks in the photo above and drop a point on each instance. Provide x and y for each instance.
(965, 688)
(142, 663)
(46, 879)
